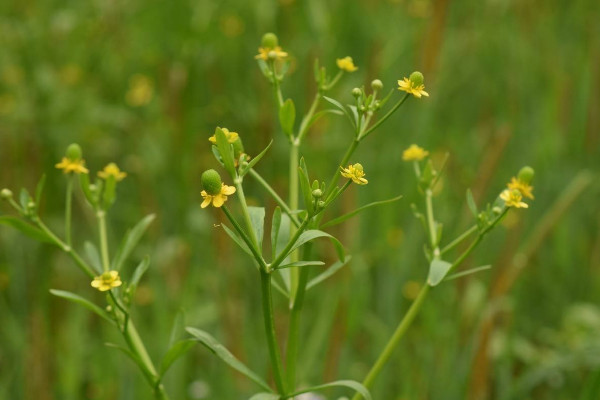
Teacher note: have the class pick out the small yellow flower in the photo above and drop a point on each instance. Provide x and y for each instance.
(346, 64)
(512, 198)
(409, 86)
(68, 165)
(524, 188)
(141, 91)
(266, 53)
(219, 199)
(112, 170)
(356, 173)
(231, 136)
(107, 281)
(414, 153)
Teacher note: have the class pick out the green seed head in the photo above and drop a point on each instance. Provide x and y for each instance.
(376, 85)
(74, 152)
(417, 78)
(269, 40)
(211, 182)
(526, 174)
(317, 193)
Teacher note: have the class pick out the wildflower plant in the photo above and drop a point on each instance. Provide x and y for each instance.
(284, 260)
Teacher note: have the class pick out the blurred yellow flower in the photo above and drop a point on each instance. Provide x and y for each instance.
(409, 86)
(219, 199)
(231, 136)
(141, 91)
(112, 170)
(70, 74)
(346, 64)
(356, 173)
(68, 165)
(414, 153)
(275, 53)
(524, 188)
(512, 198)
(107, 281)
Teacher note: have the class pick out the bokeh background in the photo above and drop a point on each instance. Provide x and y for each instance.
(144, 83)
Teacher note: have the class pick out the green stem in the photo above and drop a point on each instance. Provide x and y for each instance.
(286, 209)
(431, 224)
(345, 160)
(304, 125)
(101, 215)
(245, 238)
(246, 214)
(294, 155)
(459, 239)
(68, 202)
(334, 81)
(276, 86)
(395, 339)
(267, 307)
(386, 116)
(289, 245)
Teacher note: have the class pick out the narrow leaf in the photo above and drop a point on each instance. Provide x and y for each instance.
(237, 240)
(344, 217)
(287, 116)
(335, 267)
(467, 272)
(220, 351)
(265, 396)
(301, 264)
(305, 185)
(130, 240)
(84, 181)
(225, 150)
(148, 374)
(257, 158)
(282, 239)
(177, 350)
(84, 302)
(178, 327)
(93, 256)
(275, 224)
(340, 107)
(357, 387)
(39, 189)
(139, 272)
(471, 203)
(437, 271)
(257, 218)
(26, 228)
(312, 234)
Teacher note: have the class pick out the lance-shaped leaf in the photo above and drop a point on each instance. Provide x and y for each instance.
(256, 159)
(438, 269)
(312, 234)
(84, 302)
(335, 267)
(93, 256)
(26, 228)
(147, 373)
(301, 264)
(39, 189)
(220, 351)
(177, 350)
(467, 272)
(275, 224)
(305, 187)
(139, 272)
(471, 203)
(257, 218)
(237, 240)
(287, 117)
(344, 217)
(356, 386)
(265, 396)
(225, 151)
(340, 107)
(131, 239)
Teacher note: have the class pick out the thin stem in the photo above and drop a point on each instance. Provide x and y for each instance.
(343, 163)
(334, 81)
(458, 240)
(289, 245)
(101, 215)
(286, 209)
(395, 339)
(304, 125)
(431, 224)
(294, 155)
(245, 238)
(267, 307)
(386, 116)
(68, 202)
(276, 86)
(246, 214)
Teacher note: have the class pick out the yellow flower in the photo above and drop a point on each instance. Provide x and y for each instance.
(356, 173)
(107, 281)
(409, 86)
(346, 64)
(112, 170)
(512, 198)
(274, 53)
(523, 187)
(141, 91)
(414, 153)
(231, 136)
(68, 165)
(218, 199)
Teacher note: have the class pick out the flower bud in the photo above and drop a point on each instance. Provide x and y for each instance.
(211, 182)
(269, 40)
(417, 78)
(376, 84)
(6, 194)
(74, 152)
(526, 174)
(321, 204)
(356, 92)
(317, 193)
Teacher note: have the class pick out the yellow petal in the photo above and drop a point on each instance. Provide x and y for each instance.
(227, 190)
(219, 200)
(206, 202)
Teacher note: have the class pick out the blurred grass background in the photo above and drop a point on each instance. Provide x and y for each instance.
(144, 83)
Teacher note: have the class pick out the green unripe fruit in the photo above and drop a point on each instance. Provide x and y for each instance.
(6, 194)
(417, 78)
(74, 152)
(526, 174)
(356, 92)
(269, 40)
(317, 193)
(376, 85)
(211, 182)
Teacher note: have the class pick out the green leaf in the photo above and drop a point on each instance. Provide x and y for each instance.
(437, 271)
(84, 302)
(237, 240)
(279, 288)
(110, 191)
(140, 270)
(93, 256)
(177, 350)
(39, 189)
(220, 351)
(178, 327)
(344, 217)
(312, 234)
(357, 387)
(131, 239)
(305, 186)
(287, 116)
(471, 203)
(265, 396)
(24, 198)
(320, 114)
(225, 150)
(148, 374)
(256, 159)
(275, 224)
(301, 264)
(257, 218)
(340, 107)
(26, 229)
(467, 272)
(282, 239)
(84, 181)
(335, 267)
